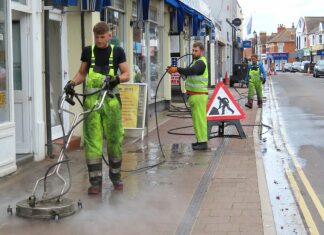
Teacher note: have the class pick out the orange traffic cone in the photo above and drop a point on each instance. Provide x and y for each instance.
(225, 80)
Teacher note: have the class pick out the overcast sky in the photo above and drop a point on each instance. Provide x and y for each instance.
(266, 15)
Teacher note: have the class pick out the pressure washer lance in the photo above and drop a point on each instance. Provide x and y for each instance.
(29, 207)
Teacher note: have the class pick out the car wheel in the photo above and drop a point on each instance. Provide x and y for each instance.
(316, 75)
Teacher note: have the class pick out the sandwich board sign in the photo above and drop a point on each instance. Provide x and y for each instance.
(223, 108)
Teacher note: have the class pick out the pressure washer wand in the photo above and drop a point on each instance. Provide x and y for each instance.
(77, 119)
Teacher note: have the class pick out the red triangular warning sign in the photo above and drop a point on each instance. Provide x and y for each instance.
(223, 106)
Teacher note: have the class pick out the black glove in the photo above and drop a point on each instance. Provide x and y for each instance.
(263, 80)
(114, 81)
(69, 87)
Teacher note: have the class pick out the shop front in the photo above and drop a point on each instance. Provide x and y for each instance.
(278, 59)
(320, 55)
(7, 125)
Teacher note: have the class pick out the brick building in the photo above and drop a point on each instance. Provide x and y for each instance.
(280, 45)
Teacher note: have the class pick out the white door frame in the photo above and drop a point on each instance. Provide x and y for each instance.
(56, 15)
(22, 98)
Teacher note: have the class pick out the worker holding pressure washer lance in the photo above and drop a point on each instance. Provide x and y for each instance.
(97, 62)
(196, 84)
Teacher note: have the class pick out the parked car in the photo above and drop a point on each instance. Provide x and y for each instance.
(302, 66)
(287, 67)
(295, 66)
(318, 69)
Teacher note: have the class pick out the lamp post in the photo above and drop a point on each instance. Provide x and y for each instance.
(255, 42)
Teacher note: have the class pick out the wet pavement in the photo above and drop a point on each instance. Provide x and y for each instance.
(192, 192)
(296, 146)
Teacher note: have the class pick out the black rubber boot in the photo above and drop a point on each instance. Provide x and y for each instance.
(95, 178)
(200, 146)
(194, 144)
(249, 104)
(114, 174)
(260, 103)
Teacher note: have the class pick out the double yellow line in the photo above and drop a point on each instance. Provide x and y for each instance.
(300, 199)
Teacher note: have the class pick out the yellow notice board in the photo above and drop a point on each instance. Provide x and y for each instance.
(2, 98)
(133, 97)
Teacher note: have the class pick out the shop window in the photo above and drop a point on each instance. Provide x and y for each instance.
(320, 39)
(148, 42)
(4, 99)
(156, 62)
(24, 2)
(173, 22)
(114, 15)
(139, 48)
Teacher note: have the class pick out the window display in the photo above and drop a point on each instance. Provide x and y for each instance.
(114, 15)
(4, 102)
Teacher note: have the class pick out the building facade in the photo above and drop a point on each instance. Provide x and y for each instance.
(310, 38)
(281, 44)
(40, 48)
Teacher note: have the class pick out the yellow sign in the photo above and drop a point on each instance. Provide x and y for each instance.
(129, 94)
(2, 99)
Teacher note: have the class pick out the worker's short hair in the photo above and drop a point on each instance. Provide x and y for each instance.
(101, 28)
(199, 45)
(254, 55)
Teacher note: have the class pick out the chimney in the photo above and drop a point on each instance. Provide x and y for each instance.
(293, 25)
(281, 28)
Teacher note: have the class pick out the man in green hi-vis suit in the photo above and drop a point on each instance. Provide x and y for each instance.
(196, 84)
(256, 76)
(98, 61)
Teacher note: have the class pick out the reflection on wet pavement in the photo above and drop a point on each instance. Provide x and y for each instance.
(151, 203)
(276, 161)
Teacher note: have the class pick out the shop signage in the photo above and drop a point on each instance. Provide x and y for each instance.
(2, 99)
(247, 44)
(307, 52)
(280, 56)
(320, 52)
(175, 77)
(133, 97)
(237, 22)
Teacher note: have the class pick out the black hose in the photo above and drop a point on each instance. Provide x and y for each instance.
(157, 129)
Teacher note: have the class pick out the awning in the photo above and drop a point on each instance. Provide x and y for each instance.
(65, 2)
(143, 7)
(86, 5)
(197, 17)
(94, 5)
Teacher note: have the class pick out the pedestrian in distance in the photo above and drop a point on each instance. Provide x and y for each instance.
(196, 85)
(255, 77)
(98, 61)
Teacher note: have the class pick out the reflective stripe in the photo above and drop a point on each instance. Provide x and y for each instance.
(189, 84)
(94, 161)
(115, 171)
(201, 79)
(198, 83)
(95, 174)
(95, 80)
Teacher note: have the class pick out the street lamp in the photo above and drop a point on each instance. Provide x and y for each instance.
(256, 42)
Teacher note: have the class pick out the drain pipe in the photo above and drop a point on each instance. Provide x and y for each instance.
(47, 81)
